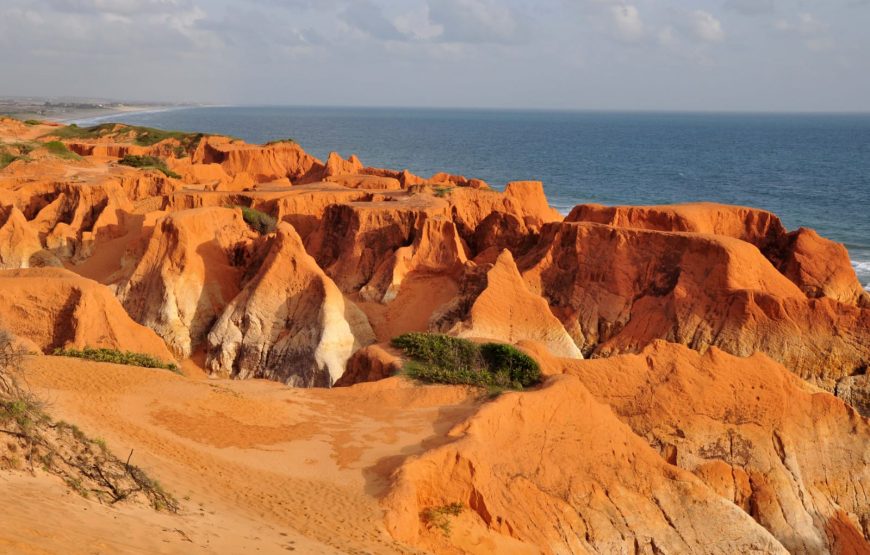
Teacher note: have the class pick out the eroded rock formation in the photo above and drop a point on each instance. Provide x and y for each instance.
(617, 290)
(191, 268)
(698, 426)
(289, 323)
(55, 308)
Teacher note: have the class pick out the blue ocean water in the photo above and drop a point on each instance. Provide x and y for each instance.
(812, 170)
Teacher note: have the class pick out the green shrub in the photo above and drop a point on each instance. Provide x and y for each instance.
(441, 350)
(259, 221)
(32, 122)
(148, 162)
(441, 192)
(6, 158)
(58, 149)
(502, 358)
(438, 358)
(440, 516)
(279, 141)
(117, 357)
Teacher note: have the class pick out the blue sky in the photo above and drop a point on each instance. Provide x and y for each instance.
(798, 55)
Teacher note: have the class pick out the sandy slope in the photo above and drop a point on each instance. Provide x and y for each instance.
(261, 467)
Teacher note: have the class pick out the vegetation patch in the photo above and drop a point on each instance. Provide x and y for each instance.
(139, 135)
(441, 192)
(279, 141)
(148, 163)
(6, 157)
(37, 442)
(438, 358)
(259, 221)
(117, 357)
(439, 517)
(60, 150)
(32, 122)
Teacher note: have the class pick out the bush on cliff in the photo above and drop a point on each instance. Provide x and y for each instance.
(279, 141)
(438, 358)
(58, 149)
(148, 162)
(6, 158)
(259, 221)
(116, 357)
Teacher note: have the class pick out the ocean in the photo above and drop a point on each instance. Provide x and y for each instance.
(812, 170)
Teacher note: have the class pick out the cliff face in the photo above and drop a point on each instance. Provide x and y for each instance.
(290, 322)
(719, 409)
(818, 266)
(528, 471)
(190, 270)
(668, 450)
(53, 308)
(605, 280)
(618, 289)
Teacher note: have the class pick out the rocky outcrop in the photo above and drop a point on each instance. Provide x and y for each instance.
(793, 458)
(616, 290)
(510, 220)
(18, 241)
(289, 323)
(450, 180)
(495, 304)
(337, 166)
(190, 270)
(758, 227)
(355, 239)
(436, 249)
(555, 471)
(370, 364)
(820, 267)
(284, 159)
(404, 177)
(55, 308)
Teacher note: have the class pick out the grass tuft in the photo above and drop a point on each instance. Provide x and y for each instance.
(438, 358)
(148, 163)
(117, 357)
(259, 221)
(60, 150)
(439, 517)
(442, 192)
(6, 158)
(34, 439)
(279, 141)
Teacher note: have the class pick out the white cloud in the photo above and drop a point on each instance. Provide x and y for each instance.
(473, 21)
(706, 27)
(628, 23)
(751, 7)
(806, 24)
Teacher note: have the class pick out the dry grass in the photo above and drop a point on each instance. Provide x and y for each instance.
(35, 442)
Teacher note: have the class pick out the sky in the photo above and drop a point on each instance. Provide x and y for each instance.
(719, 55)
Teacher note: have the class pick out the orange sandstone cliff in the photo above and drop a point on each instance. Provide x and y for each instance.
(706, 386)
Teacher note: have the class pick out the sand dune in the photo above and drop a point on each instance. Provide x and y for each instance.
(260, 466)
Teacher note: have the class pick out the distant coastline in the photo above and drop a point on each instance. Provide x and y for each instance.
(72, 110)
(101, 116)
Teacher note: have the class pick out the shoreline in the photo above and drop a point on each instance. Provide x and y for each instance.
(100, 116)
